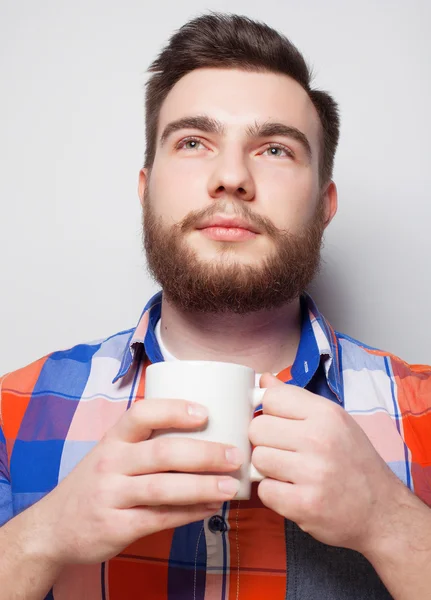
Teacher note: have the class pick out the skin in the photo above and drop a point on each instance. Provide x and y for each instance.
(234, 167)
(303, 443)
(123, 489)
(323, 473)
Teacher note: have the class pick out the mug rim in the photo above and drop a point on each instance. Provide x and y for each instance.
(200, 363)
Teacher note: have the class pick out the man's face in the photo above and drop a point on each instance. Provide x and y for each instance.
(233, 199)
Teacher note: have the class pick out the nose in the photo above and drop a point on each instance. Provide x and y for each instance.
(231, 177)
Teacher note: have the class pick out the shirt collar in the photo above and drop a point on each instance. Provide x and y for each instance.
(318, 344)
(143, 334)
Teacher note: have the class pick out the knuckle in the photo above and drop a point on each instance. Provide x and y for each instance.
(324, 472)
(154, 488)
(268, 399)
(163, 519)
(264, 491)
(136, 412)
(211, 454)
(273, 397)
(256, 429)
(160, 451)
(259, 457)
(317, 473)
(321, 435)
(208, 456)
(107, 461)
(316, 439)
(103, 465)
(312, 500)
(253, 431)
(105, 491)
(332, 412)
(342, 417)
(170, 411)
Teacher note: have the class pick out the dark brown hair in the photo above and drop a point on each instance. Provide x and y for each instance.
(233, 41)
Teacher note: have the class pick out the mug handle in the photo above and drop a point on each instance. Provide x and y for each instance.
(256, 399)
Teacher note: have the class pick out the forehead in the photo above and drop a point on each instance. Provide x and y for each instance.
(239, 98)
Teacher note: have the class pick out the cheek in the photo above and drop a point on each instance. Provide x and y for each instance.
(290, 198)
(176, 190)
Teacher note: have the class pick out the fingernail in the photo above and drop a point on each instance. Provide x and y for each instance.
(197, 410)
(234, 456)
(228, 486)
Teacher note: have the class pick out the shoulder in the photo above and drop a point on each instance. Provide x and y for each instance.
(68, 367)
(356, 353)
(409, 383)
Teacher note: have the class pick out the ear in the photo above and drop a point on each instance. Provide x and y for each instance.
(142, 184)
(330, 202)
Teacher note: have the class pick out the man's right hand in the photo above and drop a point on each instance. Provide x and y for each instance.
(129, 486)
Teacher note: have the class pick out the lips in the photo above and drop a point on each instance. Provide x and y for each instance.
(227, 234)
(227, 223)
(222, 228)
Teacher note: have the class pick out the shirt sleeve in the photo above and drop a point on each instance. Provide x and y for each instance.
(6, 511)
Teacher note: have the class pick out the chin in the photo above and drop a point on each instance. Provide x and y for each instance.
(238, 252)
(231, 255)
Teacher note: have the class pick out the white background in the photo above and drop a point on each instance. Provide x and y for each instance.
(72, 142)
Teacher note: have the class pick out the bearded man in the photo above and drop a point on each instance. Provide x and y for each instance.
(236, 192)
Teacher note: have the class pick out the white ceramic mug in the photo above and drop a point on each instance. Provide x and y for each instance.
(227, 390)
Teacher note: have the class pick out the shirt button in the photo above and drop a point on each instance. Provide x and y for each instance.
(217, 524)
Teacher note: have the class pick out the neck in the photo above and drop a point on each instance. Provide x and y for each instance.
(264, 340)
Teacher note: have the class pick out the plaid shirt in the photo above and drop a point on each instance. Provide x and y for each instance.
(55, 410)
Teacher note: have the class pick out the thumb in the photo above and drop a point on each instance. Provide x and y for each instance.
(268, 380)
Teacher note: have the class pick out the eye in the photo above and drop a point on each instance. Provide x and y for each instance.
(278, 151)
(189, 143)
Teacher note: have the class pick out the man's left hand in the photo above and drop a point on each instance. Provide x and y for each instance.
(321, 470)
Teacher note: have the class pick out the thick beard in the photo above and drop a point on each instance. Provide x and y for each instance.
(195, 285)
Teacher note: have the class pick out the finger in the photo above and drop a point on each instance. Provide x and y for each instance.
(268, 380)
(286, 499)
(279, 464)
(277, 432)
(177, 489)
(290, 402)
(182, 454)
(143, 417)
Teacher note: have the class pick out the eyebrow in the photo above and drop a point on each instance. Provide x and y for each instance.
(209, 125)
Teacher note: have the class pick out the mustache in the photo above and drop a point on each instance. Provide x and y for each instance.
(232, 210)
